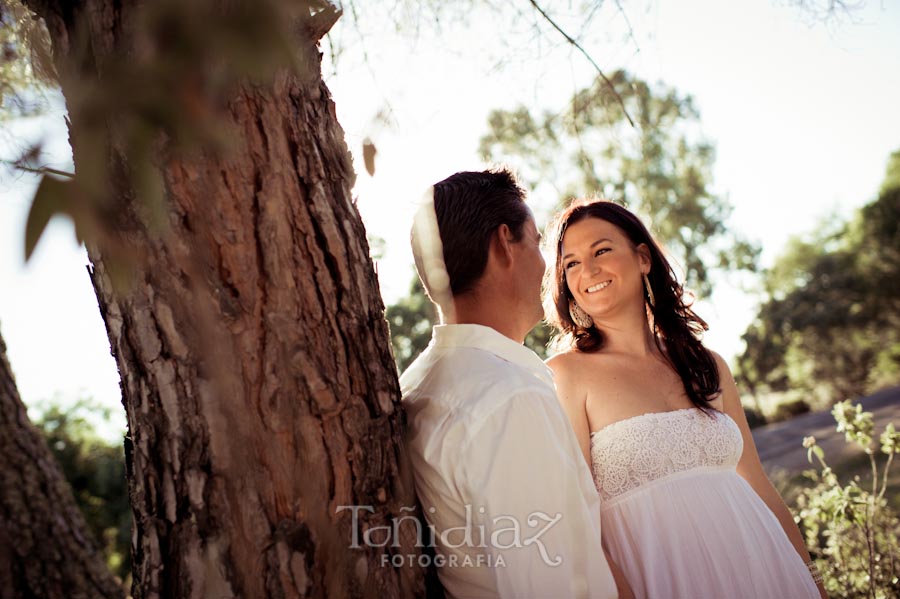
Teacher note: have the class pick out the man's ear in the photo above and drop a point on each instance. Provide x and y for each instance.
(501, 245)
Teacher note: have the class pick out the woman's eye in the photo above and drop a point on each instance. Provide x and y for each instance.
(601, 251)
(569, 265)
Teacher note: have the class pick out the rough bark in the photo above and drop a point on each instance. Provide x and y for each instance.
(46, 549)
(256, 371)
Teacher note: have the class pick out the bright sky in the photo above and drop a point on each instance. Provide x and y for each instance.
(803, 118)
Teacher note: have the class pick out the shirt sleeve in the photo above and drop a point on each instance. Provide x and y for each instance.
(533, 495)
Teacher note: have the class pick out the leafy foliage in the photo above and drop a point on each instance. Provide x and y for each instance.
(410, 321)
(95, 470)
(830, 326)
(790, 409)
(661, 168)
(755, 418)
(850, 527)
(25, 64)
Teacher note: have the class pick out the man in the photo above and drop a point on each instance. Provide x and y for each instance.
(497, 468)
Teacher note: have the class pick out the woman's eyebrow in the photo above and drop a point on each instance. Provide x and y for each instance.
(598, 242)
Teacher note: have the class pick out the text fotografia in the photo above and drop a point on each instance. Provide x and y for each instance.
(495, 534)
(479, 560)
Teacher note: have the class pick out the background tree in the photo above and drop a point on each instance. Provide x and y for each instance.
(25, 64)
(411, 320)
(829, 328)
(45, 548)
(212, 190)
(95, 470)
(661, 167)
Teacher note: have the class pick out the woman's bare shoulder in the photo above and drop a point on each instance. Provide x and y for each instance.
(721, 365)
(572, 360)
(563, 360)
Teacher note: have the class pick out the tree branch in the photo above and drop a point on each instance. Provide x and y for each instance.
(40, 170)
(578, 46)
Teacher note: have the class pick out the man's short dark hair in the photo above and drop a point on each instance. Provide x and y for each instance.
(469, 207)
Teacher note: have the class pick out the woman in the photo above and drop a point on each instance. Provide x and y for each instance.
(687, 509)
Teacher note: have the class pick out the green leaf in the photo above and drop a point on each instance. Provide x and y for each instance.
(49, 200)
(890, 439)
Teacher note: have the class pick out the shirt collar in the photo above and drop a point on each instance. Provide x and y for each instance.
(488, 339)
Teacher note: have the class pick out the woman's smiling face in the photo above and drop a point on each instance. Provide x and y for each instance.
(602, 269)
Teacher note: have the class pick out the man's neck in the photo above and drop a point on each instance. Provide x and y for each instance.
(496, 313)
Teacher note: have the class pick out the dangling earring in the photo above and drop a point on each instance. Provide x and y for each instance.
(579, 316)
(650, 299)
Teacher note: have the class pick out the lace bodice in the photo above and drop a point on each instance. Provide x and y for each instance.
(632, 452)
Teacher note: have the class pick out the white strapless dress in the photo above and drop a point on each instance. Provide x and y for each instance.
(680, 521)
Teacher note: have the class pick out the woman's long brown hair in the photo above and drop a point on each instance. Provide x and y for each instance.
(673, 320)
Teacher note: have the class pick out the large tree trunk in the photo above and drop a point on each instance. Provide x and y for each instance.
(257, 377)
(46, 549)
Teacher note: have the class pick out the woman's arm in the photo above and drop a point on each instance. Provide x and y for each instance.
(750, 467)
(622, 586)
(574, 404)
(572, 401)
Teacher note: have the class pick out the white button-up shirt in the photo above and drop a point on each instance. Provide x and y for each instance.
(499, 473)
